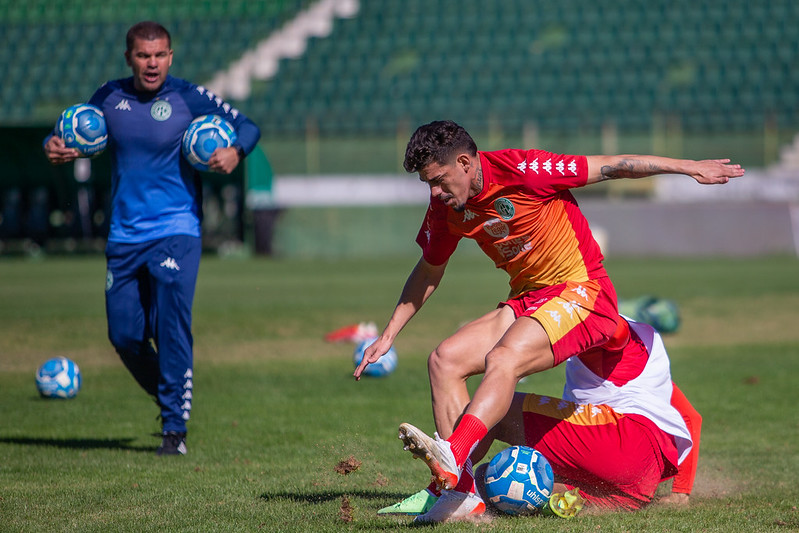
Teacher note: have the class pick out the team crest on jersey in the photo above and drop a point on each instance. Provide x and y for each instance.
(161, 110)
(504, 208)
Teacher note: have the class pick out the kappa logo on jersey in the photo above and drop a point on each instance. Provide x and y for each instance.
(226, 107)
(468, 215)
(161, 110)
(123, 105)
(170, 263)
(561, 167)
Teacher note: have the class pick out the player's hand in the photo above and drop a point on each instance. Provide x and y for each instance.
(224, 160)
(715, 171)
(372, 353)
(57, 152)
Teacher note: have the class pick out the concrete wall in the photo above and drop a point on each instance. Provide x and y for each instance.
(644, 228)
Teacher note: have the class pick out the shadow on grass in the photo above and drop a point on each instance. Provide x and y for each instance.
(375, 523)
(79, 444)
(330, 495)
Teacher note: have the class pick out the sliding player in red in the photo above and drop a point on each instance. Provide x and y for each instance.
(621, 428)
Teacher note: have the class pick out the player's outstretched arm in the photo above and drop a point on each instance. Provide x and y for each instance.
(708, 171)
(421, 283)
(57, 153)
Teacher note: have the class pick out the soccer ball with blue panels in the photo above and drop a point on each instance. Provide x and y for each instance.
(380, 368)
(83, 127)
(518, 480)
(204, 135)
(58, 378)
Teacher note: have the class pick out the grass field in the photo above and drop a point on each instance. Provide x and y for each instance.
(276, 410)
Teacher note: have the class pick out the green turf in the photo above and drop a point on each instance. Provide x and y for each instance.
(276, 409)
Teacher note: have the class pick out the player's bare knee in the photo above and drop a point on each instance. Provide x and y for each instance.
(441, 364)
(517, 364)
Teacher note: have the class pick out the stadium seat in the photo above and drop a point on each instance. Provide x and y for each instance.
(567, 64)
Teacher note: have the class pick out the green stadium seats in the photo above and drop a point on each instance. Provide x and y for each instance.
(563, 65)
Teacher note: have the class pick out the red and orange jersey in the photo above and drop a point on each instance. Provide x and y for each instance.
(525, 219)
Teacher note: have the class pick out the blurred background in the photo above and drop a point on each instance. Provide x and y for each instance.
(338, 86)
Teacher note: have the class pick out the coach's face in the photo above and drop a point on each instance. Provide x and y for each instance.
(150, 62)
(453, 183)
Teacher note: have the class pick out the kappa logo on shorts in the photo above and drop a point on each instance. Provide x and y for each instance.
(170, 263)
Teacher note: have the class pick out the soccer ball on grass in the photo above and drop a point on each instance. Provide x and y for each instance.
(204, 135)
(382, 367)
(82, 127)
(518, 480)
(58, 378)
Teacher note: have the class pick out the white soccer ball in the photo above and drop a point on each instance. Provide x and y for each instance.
(83, 127)
(519, 480)
(203, 136)
(58, 378)
(382, 367)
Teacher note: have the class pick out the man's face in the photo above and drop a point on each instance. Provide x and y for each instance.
(452, 183)
(150, 62)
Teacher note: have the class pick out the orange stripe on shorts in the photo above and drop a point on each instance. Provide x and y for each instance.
(573, 413)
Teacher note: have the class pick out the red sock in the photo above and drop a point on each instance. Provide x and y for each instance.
(466, 437)
(433, 489)
(466, 482)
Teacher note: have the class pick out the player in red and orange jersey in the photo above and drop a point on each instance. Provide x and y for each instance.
(516, 204)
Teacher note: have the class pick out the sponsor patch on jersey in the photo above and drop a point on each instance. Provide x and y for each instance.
(496, 228)
(161, 110)
(504, 208)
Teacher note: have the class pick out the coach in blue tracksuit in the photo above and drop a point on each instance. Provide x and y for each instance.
(154, 244)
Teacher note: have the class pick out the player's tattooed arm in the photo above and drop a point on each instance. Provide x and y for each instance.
(629, 169)
(707, 171)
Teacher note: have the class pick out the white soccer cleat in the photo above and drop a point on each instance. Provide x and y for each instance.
(435, 452)
(453, 506)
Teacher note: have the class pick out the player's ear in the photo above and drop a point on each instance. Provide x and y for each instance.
(127, 57)
(464, 161)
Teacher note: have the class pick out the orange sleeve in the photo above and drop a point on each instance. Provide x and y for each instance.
(686, 472)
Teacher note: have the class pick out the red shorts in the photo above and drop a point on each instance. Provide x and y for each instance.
(617, 460)
(577, 316)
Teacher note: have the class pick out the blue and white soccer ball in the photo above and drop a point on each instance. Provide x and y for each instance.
(382, 367)
(58, 378)
(518, 480)
(204, 135)
(83, 127)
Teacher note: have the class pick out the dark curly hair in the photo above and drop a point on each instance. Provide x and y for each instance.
(437, 142)
(148, 31)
